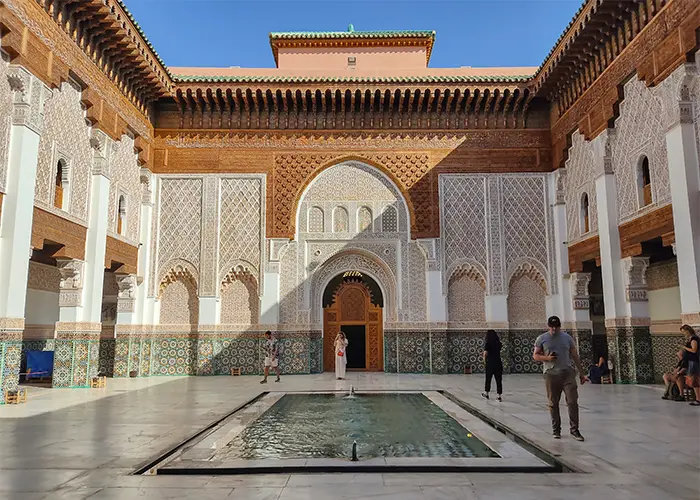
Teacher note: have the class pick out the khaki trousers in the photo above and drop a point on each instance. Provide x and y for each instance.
(556, 383)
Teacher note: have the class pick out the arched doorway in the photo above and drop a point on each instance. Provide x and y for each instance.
(352, 303)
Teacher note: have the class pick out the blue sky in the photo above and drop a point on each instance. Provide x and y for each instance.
(223, 33)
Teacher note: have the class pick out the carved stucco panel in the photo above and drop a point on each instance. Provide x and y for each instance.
(463, 219)
(525, 219)
(180, 220)
(66, 136)
(125, 179)
(43, 277)
(415, 284)
(241, 222)
(526, 303)
(5, 121)
(580, 178)
(640, 131)
(466, 298)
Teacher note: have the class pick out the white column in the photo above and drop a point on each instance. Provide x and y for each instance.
(580, 300)
(29, 95)
(437, 301)
(269, 302)
(684, 175)
(144, 304)
(560, 304)
(610, 251)
(98, 220)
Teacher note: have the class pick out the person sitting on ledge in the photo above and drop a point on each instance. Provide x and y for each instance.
(597, 371)
(675, 380)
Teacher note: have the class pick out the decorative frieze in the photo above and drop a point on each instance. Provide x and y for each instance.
(71, 284)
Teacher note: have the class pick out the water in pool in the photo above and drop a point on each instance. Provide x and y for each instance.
(384, 425)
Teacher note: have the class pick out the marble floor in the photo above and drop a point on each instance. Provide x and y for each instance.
(75, 443)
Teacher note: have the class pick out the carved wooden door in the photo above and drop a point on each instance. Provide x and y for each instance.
(352, 306)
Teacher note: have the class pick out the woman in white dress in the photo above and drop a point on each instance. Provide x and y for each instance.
(341, 361)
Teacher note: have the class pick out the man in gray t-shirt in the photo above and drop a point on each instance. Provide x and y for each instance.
(557, 351)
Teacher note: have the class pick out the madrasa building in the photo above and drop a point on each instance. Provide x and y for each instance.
(156, 221)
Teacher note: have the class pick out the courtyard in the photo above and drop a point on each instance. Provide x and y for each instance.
(74, 444)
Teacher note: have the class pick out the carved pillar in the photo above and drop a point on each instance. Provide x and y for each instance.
(437, 306)
(580, 303)
(684, 174)
(629, 336)
(29, 95)
(77, 347)
(144, 304)
(496, 301)
(209, 305)
(132, 350)
(559, 302)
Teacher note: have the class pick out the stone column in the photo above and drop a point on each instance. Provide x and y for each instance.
(144, 303)
(626, 321)
(582, 328)
(560, 303)
(684, 174)
(29, 96)
(77, 351)
(437, 306)
(132, 351)
(270, 301)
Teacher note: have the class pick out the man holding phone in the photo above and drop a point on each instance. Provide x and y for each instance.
(557, 351)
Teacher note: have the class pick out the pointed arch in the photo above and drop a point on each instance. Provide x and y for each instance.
(179, 302)
(240, 302)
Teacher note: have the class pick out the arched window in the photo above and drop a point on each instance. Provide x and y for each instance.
(585, 214)
(341, 220)
(121, 215)
(644, 182)
(364, 219)
(59, 194)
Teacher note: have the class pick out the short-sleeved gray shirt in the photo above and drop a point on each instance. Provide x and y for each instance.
(560, 343)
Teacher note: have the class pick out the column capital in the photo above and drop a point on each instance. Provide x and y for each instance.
(676, 101)
(29, 94)
(146, 177)
(431, 249)
(579, 290)
(634, 271)
(560, 189)
(602, 150)
(100, 143)
(71, 285)
(126, 297)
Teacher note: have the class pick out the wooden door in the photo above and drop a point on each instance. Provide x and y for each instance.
(352, 305)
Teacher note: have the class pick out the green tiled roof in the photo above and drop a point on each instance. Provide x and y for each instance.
(390, 79)
(351, 33)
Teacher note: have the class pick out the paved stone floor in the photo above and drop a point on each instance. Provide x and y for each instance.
(74, 444)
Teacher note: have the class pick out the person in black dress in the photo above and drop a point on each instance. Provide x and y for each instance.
(494, 365)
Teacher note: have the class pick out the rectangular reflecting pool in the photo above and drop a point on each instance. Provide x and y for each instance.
(383, 425)
(417, 431)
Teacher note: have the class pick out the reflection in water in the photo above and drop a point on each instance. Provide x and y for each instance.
(384, 425)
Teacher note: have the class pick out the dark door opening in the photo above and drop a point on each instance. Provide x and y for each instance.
(357, 346)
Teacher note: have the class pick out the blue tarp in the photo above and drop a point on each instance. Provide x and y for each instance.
(39, 364)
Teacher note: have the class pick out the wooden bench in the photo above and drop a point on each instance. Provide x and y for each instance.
(236, 372)
(15, 397)
(98, 382)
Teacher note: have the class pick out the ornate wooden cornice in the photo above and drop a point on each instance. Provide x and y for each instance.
(107, 33)
(599, 32)
(350, 106)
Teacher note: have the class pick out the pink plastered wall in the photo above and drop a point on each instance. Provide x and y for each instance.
(368, 59)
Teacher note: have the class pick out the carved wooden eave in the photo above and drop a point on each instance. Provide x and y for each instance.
(353, 105)
(599, 32)
(106, 31)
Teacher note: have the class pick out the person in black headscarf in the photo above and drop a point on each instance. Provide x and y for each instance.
(494, 365)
